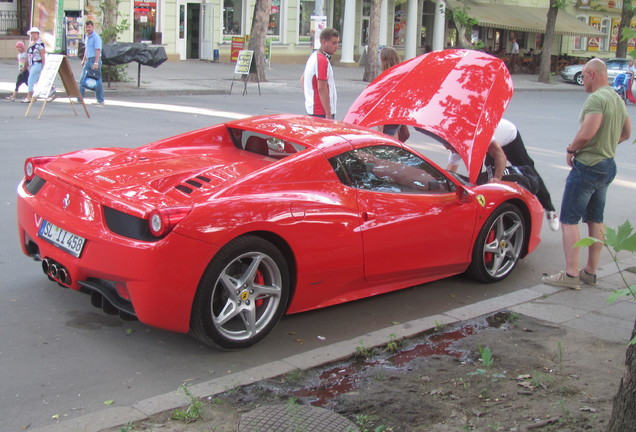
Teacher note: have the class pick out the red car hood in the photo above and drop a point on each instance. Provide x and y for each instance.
(458, 95)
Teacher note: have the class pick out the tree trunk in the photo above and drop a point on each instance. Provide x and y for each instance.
(258, 36)
(462, 40)
(626, 18)
(371, 69)
(546, 50)
(624, 411)
(109, 20)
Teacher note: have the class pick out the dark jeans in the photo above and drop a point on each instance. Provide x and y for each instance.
(23, 78)
(517, 155)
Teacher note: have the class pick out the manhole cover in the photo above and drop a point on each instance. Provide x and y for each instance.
(293, 418)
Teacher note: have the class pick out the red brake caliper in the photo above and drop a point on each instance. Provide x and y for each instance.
(488, 256)
(259, 279)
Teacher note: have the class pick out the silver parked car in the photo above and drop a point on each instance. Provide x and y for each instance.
(615, 66)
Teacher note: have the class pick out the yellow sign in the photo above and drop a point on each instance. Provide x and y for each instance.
(244, 62)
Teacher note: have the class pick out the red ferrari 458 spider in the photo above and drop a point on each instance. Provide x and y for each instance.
(223, 230)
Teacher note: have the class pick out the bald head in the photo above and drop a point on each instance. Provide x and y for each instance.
(594, 75)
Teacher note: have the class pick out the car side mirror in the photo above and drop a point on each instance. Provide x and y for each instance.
(463, 195)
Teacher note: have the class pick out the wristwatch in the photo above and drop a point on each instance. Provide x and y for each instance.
(570, 151)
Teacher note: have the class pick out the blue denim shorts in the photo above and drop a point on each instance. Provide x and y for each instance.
(585, 192)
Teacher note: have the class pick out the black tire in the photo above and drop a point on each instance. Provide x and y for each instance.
(578, 78)
(242, 295)
(499, 245)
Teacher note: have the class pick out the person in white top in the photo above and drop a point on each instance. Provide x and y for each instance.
(318, 81)
(507, 138)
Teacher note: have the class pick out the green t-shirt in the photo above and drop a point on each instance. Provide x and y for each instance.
(603, 145)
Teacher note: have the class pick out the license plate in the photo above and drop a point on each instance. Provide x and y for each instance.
(61, 238)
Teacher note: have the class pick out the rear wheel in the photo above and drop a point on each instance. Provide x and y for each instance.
(578, 78)
(499, 245)
(242, 295)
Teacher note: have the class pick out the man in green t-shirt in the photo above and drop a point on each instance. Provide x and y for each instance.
(604, 124)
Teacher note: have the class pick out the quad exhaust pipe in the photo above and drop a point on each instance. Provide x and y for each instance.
(56, 271)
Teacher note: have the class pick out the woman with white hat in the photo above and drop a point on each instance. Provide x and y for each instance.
(37, 56)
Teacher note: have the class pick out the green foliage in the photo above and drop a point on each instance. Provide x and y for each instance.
(616, 240)
(461, 16)
(293, 376)
(363, 351)
(394, 343)
(486, 355)
(128, 427)
(110, 33)
(192, 412)
(629, 33)
(365, 423)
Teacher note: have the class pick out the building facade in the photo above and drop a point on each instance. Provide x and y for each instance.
(211, 29)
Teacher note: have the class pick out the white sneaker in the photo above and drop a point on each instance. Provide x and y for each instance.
(553, 220)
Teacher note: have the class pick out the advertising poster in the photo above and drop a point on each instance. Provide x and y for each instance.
(47, 16)
(237, 45)
(631, 44)
(616, 24)
(73, 35)
(593, 41)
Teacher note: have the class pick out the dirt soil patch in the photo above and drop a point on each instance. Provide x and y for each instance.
(541, 378)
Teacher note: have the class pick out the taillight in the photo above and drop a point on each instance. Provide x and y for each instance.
(31, 163)
(161, 221)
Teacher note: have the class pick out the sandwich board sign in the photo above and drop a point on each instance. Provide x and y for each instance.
(56, 63)
(245, 66)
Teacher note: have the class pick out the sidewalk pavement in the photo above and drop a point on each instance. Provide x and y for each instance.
(586, 310)
(190, 77)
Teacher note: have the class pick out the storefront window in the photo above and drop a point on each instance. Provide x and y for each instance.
(580, 42)
(399, 23)
(232, 12)
(606, 26)
(145, 12)
(366, 12)
(273, 28)
(305, 11)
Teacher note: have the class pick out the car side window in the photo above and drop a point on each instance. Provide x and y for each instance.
(389, 169)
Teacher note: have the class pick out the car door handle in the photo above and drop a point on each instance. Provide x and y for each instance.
(367, 216)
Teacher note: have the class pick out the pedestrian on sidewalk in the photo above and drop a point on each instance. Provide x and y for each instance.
(92, 60)
(389, 57)
(23, 69)
(318, 80)
(36, 54)
(604, 124)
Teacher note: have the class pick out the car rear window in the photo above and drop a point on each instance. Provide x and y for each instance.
(264, 145)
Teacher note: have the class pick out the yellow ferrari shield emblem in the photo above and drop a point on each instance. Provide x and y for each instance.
(245, 295)
(481, 200)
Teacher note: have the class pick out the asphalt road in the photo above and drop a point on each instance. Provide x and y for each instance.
(60, 357)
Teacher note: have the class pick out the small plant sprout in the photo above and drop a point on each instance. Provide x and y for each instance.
(485, 354)
(192, 412)
(394, 344)
(362, 351)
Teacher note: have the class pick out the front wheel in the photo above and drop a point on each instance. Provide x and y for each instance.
(578, 78)
(242, 295)
(499, 245)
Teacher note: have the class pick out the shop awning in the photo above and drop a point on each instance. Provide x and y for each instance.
(525, 19)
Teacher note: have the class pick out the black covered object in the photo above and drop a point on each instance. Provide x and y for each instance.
(118, 53)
